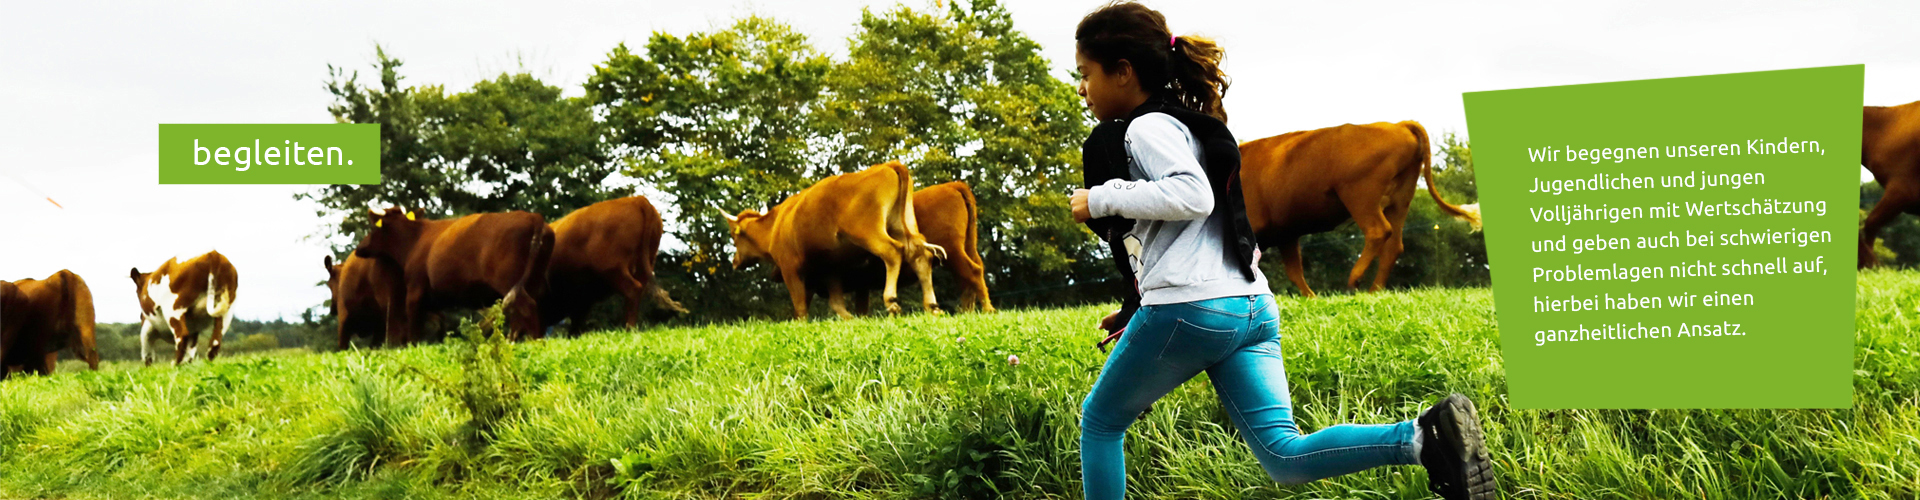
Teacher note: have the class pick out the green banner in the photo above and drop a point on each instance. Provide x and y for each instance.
(1674, 243)
(340, 153)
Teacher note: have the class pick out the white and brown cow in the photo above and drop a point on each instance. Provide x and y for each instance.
(183, 297)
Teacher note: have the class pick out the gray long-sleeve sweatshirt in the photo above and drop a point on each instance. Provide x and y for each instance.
(1177, 244)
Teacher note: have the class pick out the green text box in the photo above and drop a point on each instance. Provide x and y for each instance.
(340, 153)
(1629, 225)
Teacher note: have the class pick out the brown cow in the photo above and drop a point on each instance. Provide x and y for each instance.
(361, 288)
(948, 217)
(840, 220)
(468, 262)
(39, 318)
(1890, 148)
(600, 249)
(1306, 182)
(184, 298)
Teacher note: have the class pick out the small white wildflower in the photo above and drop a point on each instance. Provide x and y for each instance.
(1013, 360)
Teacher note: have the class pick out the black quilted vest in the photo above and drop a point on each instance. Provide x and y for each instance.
(1104, 157)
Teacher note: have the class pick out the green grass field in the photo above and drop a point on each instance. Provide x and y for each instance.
(903, 408)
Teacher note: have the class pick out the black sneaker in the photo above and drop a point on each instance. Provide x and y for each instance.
(1454, 451)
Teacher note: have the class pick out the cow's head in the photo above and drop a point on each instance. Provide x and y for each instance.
(157, 297)
(140, 291)
(749, 238)
(393, 234)
(333, 283)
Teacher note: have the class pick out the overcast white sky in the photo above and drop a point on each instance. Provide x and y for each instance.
(84, 84)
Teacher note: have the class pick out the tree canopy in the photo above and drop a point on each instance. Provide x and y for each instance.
(742, 117)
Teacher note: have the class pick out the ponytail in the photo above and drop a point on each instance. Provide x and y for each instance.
(1183, 70)
(1197, 80)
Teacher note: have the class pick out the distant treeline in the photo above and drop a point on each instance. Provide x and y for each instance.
(121, 341)
(744, 116)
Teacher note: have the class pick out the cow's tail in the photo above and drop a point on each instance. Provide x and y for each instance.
(973, 225)
(533, 279)
(903, 204)
(219, 300)
(521, 304)
(1470, 212)
(76, 305)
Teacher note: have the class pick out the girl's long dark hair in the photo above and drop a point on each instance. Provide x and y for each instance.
(1183, 70)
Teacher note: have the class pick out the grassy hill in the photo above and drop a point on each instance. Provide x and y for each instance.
(917, 407)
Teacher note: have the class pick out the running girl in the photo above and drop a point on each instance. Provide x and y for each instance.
(1203, 308)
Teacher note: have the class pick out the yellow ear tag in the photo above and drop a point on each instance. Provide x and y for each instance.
(409, 215)
(376, 222)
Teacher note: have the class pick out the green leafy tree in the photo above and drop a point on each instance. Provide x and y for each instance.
(1442, 250)
(404, 178)
(744, 117)
(1454, 170)
(510, 143)
(717, 121)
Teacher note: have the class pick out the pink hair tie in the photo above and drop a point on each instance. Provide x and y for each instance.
(1171, 40)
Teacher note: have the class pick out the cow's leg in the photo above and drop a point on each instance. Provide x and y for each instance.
(890, 252)
(162, 342)
(341, 322)
(405, 319)
(1390, 251)
(1376, 234)
(183, 339)
(837, 296)
(634, 291)
(923, 267)
(1364, 204)
(973, 278)
(146, 340)
(969, 298)
(796, 289)
(192, 344)
(151, 341)
(1296, 270)
(183, 344)
(631, 305)
(862, 302)
(220, 325)
(889, 291)
(1896, 196)
(193, 347)
(46, 367)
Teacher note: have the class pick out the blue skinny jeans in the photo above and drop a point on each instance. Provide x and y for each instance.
(1236, 340)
